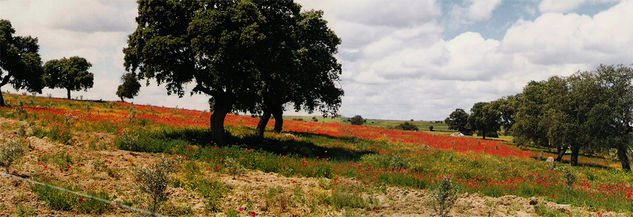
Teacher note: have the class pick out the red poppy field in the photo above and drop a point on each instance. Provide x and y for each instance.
(340, 161)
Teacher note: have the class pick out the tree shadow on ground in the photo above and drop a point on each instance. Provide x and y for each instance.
(201, 137)
(581, 164)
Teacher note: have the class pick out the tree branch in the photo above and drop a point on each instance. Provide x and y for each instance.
(5, 80)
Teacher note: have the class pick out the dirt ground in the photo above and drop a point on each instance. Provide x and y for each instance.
(247, 192)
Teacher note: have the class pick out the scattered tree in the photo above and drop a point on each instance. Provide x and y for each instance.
(406, 126)
(431, 128)
(20, 63)
(484, 119)
(458, 120)
(129, 87)
(230, 51)
(357, 120)
(68, 73)
(302, 68)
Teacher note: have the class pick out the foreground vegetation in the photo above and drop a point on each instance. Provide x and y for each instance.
(373, 157)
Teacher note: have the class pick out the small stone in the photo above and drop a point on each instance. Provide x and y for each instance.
(533, 201)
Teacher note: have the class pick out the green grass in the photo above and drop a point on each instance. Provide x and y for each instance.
(63, 201)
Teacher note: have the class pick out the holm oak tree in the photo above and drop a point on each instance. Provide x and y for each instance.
(20, 63)
(69, 73)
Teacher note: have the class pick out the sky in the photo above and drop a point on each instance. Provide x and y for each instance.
(402, 59)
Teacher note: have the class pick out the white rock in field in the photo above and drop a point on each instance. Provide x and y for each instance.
(457, 134)
(550, 160)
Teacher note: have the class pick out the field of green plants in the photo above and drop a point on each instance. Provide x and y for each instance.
(372, 158)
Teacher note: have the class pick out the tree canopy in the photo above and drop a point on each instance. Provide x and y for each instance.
(69, 73)
(302, 70)
(20, 63)
(129, 87)
(484, 119)
(458, 120)
(589, 111)
(229, 50)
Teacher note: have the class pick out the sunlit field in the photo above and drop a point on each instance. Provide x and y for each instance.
(370, 157)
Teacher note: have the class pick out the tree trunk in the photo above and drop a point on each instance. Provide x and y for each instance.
(122, 100)
(624, 159)
(1, 99)
(483, 132)
(221, 107)
(68, 93)
(261, 126)
(279, 120)
(575, 149)
(561, 153)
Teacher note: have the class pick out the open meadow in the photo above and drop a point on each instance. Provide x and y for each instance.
(311, 169)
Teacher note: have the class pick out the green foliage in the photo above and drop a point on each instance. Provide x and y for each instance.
(64, 201)
(357, 120)
(21, 210)
(445, 197)
(350, 197)
(129, 87)
(154, 181)
(391, 162)
(406, 126)
(233, 166)
(484, 119)
(587, 111)
(11, 152)
(212, 191)
(458, 120)
(21, 64)
(68, 73)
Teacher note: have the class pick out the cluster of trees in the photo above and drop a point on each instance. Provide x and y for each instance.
(589, 111)
(21, 66)
(248, 56)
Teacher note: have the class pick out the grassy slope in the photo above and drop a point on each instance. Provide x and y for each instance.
(374, 162)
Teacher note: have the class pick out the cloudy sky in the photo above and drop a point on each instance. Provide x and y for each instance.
(402, 59)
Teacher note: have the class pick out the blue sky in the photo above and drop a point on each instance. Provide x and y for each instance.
(402, 59)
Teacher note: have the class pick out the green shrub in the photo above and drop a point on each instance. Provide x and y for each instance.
(445, 197)
(154, 181)
(212, 191)
(11, 152)
(357, 120)
(64, 201)
(406, 126)
(234, 167)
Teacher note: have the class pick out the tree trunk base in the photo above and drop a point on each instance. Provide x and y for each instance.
(575, 149)
(279, 119)
(2, 100)
(261, 126)
(221, 107)
(561, 153)
(624, 159)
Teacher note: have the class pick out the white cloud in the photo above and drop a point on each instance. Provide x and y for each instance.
(562, 6)
(396, 62)
(476, 10)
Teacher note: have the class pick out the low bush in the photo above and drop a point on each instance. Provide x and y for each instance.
(445, 197)
(64, 201)
(11, 152)
(406, 126)
(154, 181)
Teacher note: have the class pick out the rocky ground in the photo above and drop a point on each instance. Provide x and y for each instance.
(99, 166)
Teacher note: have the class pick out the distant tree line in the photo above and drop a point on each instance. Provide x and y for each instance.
(21, 66)
(589, 111)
